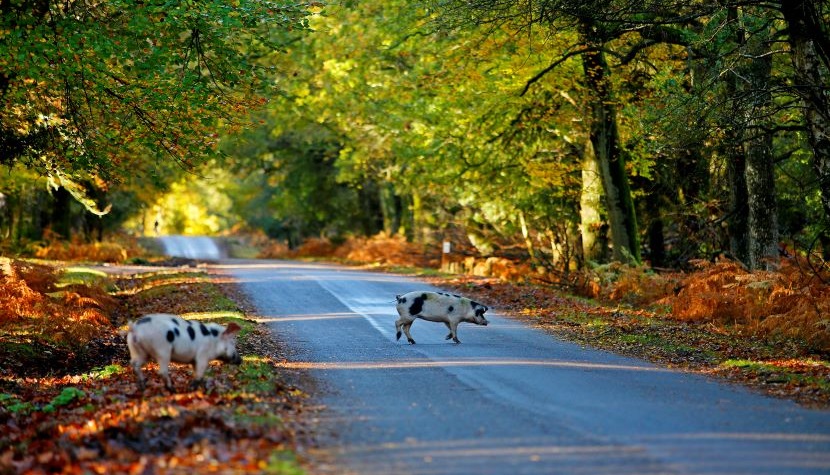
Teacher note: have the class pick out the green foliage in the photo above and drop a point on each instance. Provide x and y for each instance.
(129, 92)
(283, 462)
(447, 120)
(91, 88)
(15, 406)
(107, 371)
(66, 397)
(257, 377)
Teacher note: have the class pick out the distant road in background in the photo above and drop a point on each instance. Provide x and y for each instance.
(191, 247)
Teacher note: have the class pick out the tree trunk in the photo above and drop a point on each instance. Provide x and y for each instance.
(738, 222)
(60, 220)
(605, 139)
(656, 239)
(808, 45)
(531, 251)
(760, 168)
(390, 208)
(590, 207)
(763, 214)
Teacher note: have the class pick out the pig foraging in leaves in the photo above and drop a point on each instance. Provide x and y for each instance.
(441, 307)
(164, 338)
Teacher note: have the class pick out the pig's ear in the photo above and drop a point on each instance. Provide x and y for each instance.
(232, 329)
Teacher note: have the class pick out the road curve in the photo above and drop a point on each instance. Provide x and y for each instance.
(509, 399)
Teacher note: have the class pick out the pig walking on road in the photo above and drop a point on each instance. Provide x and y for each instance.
(441, 307)
(163, 337)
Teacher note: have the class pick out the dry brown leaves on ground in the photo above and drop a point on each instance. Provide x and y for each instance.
(63, 412)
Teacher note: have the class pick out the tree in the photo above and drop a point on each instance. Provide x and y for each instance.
(809, 39)
(89, 88)
(92, 94)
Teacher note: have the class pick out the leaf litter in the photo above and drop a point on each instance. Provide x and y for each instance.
(88, 416)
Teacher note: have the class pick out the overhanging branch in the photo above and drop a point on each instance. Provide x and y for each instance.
(553, 65)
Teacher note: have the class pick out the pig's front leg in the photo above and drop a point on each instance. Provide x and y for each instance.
(199, 368)
(449, 335)
(454, 331)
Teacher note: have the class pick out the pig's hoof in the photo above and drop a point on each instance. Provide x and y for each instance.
(196, 384)
(411, 341)
(398, 336)
(448, 336)
(456, 340)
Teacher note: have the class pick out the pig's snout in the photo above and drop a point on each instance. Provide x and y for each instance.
(232, 359)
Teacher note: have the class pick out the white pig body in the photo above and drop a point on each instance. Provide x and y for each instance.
(441, 307)
(165, 337)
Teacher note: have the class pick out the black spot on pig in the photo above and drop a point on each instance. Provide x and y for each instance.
(400, 299)
(417, 305)
(170, 336)
(204, 329)
(214, 332)
(175, 321)
(176, 330)
(143, 320)
(449, 310)
(191, 332)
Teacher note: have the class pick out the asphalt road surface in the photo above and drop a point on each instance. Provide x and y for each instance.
(193, 247)
(509, 399)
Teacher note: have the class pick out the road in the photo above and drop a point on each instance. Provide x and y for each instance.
(509, 399)
(193, 247)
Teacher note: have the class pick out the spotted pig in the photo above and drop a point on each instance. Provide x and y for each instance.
(164, 338)
(437, 307)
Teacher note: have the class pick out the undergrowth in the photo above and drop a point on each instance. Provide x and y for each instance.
(118, 249)
(36, 304)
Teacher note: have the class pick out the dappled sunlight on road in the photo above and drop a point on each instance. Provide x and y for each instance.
(305, 317)
(785, 454)
(530, 456)
(465, 362)
(772, 436)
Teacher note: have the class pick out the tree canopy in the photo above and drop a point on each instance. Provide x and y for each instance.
(117, 87)
(558, 132)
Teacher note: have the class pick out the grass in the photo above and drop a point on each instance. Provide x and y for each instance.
(792, 372)
(82, 276)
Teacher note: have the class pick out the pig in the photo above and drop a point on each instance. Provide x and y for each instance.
(437, 307)
(163, 338)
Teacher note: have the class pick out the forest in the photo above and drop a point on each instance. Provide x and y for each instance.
(560, 134)
(649, 178)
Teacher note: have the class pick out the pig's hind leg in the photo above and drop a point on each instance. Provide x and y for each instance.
(403, 324)
(138, 357)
